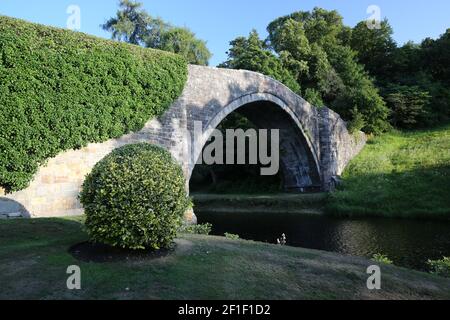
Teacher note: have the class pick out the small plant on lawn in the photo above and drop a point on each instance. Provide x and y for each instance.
(232, 236)
(204, 229)
(135, 198)
(282, 241)
(440, 267)
(381, 258)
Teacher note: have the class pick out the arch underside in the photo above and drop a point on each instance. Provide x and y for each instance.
(298, 161)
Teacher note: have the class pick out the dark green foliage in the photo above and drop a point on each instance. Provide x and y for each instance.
(204, 229)
(184, 42)
(135, 198)
(318, 40)
(311, 51)
(437, 53)
(357, 123)
(334, 64)
(252, 54)
(314, 97)
(61, 90)
(357, 90)
(375, 48)
(409, 106)
(134, 25)
(414, 79)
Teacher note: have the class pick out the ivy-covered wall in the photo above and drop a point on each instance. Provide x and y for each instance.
(60, 90)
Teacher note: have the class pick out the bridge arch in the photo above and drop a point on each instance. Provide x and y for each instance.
(298, 158)
(318, 140)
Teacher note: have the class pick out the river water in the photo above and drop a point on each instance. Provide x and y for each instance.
(409, 243)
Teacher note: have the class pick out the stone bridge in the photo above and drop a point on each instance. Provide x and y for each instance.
(314, 142)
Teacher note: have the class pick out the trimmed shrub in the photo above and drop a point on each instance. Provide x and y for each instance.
(135, 198)
(60, 90)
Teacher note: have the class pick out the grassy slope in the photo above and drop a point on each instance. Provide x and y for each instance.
(34, 258)
(398, 174)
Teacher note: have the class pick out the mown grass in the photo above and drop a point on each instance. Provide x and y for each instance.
(398, 174)
(34, 258)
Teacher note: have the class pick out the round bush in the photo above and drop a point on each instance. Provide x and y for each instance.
(135, 198)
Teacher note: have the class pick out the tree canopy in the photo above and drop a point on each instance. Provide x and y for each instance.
(134, 25)
(313, 48)
(251, 54)
(359, 72)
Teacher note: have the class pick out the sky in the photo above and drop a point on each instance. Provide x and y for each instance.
(220, 21)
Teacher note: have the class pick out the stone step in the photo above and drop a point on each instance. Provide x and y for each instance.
(11, 215)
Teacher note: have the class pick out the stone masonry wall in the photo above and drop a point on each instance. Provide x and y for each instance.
(338, 146)
(209, 96)
(55, 188)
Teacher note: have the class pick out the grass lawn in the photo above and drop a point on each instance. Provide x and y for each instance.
(34, 258)
(398, 175)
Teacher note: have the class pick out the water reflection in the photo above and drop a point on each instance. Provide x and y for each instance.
(409, 243)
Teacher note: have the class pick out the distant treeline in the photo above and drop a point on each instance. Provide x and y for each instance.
(359, 72)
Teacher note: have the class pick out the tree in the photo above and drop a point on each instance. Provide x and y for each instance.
(358, 92)
(320, 26)
(409, 106)
(131, 23)
(414, 79)
(437, 53)
(375, 48)
(315, 48)
(407, 63)
(134, 25)
(184, 42)
(252, 54)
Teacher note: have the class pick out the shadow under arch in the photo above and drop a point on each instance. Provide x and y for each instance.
(9, 206)
(298, 157)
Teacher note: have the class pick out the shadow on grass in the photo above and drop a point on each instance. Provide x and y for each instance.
(30, 233)
(101, 253)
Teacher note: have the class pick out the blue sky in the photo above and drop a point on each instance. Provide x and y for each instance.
(219, 21)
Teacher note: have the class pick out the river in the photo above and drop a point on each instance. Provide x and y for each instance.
(409, 243)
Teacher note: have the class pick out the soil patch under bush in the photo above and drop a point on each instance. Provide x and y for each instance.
(101, 253)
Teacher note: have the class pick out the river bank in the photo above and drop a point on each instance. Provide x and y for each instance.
(398, 174)
(34, 257)
(279, 203)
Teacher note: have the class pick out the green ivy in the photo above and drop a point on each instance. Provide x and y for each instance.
(60, 90)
